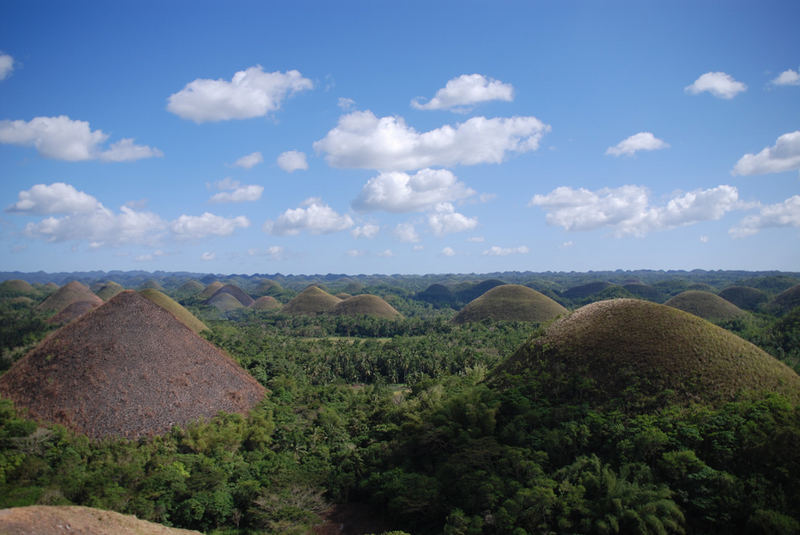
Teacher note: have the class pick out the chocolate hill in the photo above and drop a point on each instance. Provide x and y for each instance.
(236, 292)
(266, 302)
(224, 302)
(189, 288)
(174, 308)
(786, 300)
(630, 352)
(16, 287)
(510, 302)
(210, 290)
(130, 369)
(706, 305)
(72, 311)
(109, 290)
(68, 294)
(744, 297)
(311, 301)
(366, 305)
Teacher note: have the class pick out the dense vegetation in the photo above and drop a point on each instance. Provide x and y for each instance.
(404, 419)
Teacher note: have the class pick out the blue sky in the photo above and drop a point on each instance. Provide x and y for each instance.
(399, 137)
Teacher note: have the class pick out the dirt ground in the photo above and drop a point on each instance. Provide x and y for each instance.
(52, 520)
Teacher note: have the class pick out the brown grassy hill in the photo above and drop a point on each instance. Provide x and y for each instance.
(225, 302)
(16, 287)
(744, 297)
(109, 290)
(311, 301)
(266, 302)
(68, 294)
(210, 290)
(706, 305)
(786, 300)
(190, 287)
(151, 284)
(267, 287)
(344, 295)
(629, 352)
(510, 302)
(644, 291)
(59, 520)
(175, 308)
(72, 311)
(585, 290)
(366, 305)
(129, 368)
(236, 292)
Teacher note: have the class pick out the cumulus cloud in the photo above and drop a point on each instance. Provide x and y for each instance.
(495, 250)
(445, 220)
(637, 142)
(148, 257)
(313, 216)
(292, 160)
(406, 232)
(628, 211)
(6, 65)
(400, 192)
(249, 161)
(719, 84)
(785, 214)
(362, 140)
(783, 156)
(346, 103)
(386, 253)
(56, 198)
(62, 138)
(367, 230)
(250, 93)
(448, 251)
(207, 256)
(787, 77)
(465, 91)
(208, 224)
(233, 191)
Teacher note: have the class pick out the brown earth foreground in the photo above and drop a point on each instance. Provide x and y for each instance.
(129, 369)
(60, 520)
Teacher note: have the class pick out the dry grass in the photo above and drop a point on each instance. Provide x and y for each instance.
(236, 292)
(72, 292)
(744, 297)
(786, 300)
(706, 305)
(16, 287)
(109, 290)
(72, 311)
(224, 302)
(58, 520)
(210, 290)
(366, 305)
(175, 308)
(311, 301)
(511, 302)
(266, 302)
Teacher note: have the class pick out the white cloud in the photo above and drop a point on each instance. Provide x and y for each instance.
(386, 253)
(362, 140)
(56, 198)
(400, 192)
(418, 248)
(445, 220)
(146, 257)
(250, 93)
(355, 252)
(6, 65)
(207, 256)
(448, 251)
(704, 239)
(406, 232)
(476, 239)
(465, 91)
(486, 197)
(567, 244)
(719, 84)
(367, 230)
(233, 191)
(313, 216)
(249, 161)
(783, 156)
(627, 209)
(787, 77)
(785, 214)
(273, 252)
(637, 142)
(346, 103)
(62, 138)
(208, 224)
(495, 250)
(292, 160)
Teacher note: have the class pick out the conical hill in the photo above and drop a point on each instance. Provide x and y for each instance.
(311, 301)
(628, 353)
(174, 308)
(786, 300)
(68, 294)
(224, 302)
(210, 290)
(266, 302)
(744, 297)
(109, 290)
(706, 305)
(510, 302)
(366, 305)
(237, 293)
(72, 311)
(190, 288)
(15, 287)
(129, 368)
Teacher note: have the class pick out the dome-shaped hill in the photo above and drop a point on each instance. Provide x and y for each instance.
(174, 308)
(190, 287)
(72, 311)
(786, 300)
(473, 291)
(267, 287)
(706, 305)
(109, 290)
(585, 290)
(627, 352)
(311, 301)
(510, 302)
(236, 292)
(210, 290)
(744, 297)
(366, 305)
(344, 295)
(68, 294)
(151, 284)
(266, 302)
(224, 302)
(16, 287)
(129, 368)
(437, 295)
(643, 291)
(56, 520)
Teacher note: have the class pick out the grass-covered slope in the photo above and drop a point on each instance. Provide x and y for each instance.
(174, 308)
(72, 311)
(109, 290)
(311, 301)
(744, 297)
(366, 305)
(266, 302)
(224, 302)
(58, 520)
(706, 305)
(210, 290)
(68, 294)
(511, 302)
(235, 292)
(630, 352)
(15, 287)
(786, 300)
